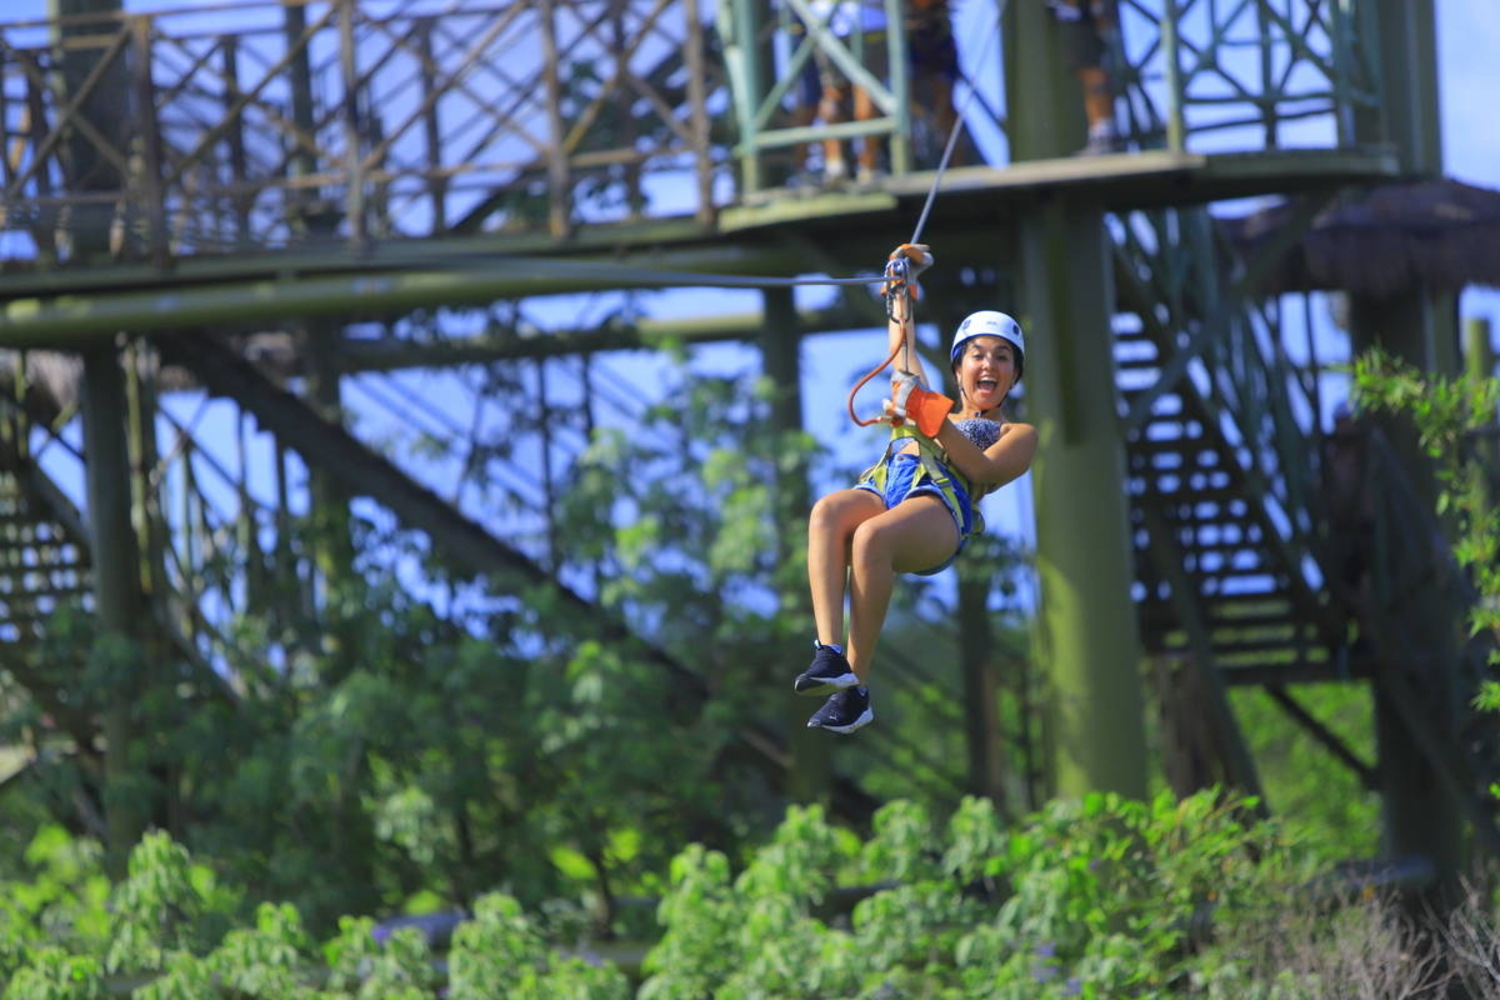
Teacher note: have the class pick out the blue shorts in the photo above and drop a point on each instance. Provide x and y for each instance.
(900, 472)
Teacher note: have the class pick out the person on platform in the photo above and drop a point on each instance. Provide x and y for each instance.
(913, 510)
(809, 106)
(851, 21)
(1091, 31)
(933, 54)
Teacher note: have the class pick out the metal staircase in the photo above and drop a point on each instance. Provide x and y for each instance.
(1221, 463)
(45, 567)
(44, 555)
(1233, 560)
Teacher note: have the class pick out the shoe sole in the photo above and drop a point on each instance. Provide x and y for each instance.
(865, 718)
(818, 687)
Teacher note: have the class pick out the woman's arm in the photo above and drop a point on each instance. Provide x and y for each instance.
(1003, 461)
(901, 331)
(902, 328)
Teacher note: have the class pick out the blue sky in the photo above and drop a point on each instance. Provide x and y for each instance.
(1469, 78)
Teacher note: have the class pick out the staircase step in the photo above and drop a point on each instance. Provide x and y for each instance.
(1137, 363)
(1175, 443)
(1228, 648)
(1250, 608)
(35, 556)
(1193, 547)
(1177, 455)
(1183, 446)
(55, 591)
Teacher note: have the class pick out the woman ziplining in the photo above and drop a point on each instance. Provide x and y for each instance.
(914, 510)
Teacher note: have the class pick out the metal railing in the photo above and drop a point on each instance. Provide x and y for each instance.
(267, 124)
(1293, 72)
(324, 118)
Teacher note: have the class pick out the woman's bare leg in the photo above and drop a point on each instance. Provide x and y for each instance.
(869, 151)
(915, 535)
(830, 530)
(831, 110)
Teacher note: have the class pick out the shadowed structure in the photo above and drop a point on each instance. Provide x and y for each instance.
(1441, 234)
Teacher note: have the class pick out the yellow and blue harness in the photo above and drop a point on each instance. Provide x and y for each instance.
(901, 474)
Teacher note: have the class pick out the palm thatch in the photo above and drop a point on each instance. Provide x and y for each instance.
(1439, 235)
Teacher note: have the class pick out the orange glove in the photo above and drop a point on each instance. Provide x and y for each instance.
(928, 410)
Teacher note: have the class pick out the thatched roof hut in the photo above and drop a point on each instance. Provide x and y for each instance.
(1441, 235)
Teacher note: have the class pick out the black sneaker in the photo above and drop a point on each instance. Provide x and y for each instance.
(844, 711)
(828, 673)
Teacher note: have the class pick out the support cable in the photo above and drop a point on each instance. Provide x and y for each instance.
(897, 276)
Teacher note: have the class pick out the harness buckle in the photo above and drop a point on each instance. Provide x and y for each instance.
(897, 282)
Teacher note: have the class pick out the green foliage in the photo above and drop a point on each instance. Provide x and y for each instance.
(59, 894)
(162, 940)
(502, 953)
(1455, 422)
(414, 762)
(681, 513)
(165, 906)
(1102, 898)
(53, 974)
(266, 962)
(401, 970)
(1318, 798)
(386, 756)
(1445, 411)
(1098, 898)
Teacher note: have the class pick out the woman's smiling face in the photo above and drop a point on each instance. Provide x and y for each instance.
(986, 371)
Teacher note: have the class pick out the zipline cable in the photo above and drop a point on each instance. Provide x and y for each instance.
(902, 284)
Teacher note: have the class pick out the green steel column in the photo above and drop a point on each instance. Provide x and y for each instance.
(1409, 119)
(1420, 816)
(330, 515)
(1089, 642)
(302, 162)
(1479, 352)
(116, 586)
(141, 399)
(355, 131)
(323, 389)
(318, 340)
(747, 61)
(781, 345)
(104, 416)
(1407, 116)
(981, 694)
(1044, 103)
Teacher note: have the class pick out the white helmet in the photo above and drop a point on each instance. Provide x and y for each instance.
(989, 323)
